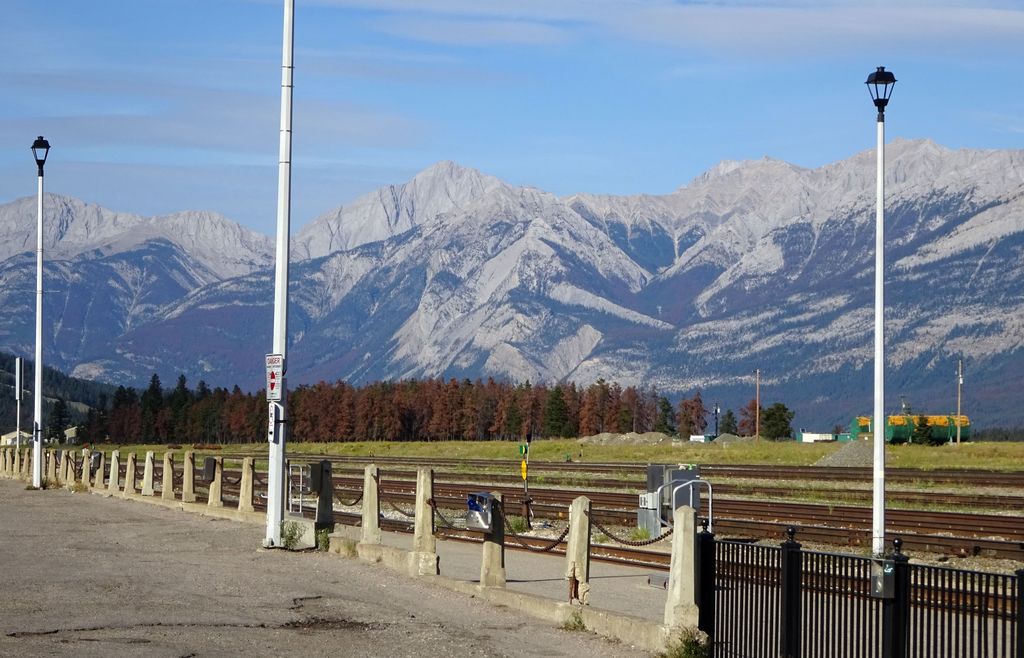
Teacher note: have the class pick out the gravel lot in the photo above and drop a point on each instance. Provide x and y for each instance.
(85, 575)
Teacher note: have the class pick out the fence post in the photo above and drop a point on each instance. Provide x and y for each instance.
(50, 459)
(577, 551)
(215, 492)
(245, 487)
(188, 477)
(86, 455)
(681, 602)
(114, 480)
(371, 505)
(129, 475)
(424, 560)
(167, 477)
(896, 610)
(147, 475)
(100, 470)
(789, 627)
(1020, 613)
(492, 565)
(706, 581)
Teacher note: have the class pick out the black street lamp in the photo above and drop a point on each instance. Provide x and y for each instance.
(880, 85)
(40, 149)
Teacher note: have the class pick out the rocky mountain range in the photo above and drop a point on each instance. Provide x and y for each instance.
(752, 265)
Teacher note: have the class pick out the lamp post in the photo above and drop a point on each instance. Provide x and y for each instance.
(880, 85)
(718, 410)
(278, 409)
(40, 149)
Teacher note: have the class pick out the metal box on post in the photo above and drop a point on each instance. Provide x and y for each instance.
(94, 461)
(883, 578)
(319, 473)
(478, 513)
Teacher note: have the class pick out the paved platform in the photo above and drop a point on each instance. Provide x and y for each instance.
(615, 588)
(85, 575)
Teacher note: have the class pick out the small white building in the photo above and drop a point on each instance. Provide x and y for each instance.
(11, 438)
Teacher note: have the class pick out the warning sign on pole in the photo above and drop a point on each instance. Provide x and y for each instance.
(275, 376)
(523, 465)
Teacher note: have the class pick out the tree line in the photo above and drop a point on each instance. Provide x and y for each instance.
(412, 410)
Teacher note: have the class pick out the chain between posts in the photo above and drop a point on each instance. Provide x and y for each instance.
(628, 542)
(352, 504)
(542, 549)
(437, 511)
(400, 510)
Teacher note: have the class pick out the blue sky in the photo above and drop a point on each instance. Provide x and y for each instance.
(154, 106)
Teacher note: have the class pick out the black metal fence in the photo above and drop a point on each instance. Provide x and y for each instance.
(766, 601)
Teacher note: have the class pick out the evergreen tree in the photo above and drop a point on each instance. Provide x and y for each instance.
(58, 421)
(556, 414)
(776, 422)
(152, 401)
(727, 424)
(666, 419)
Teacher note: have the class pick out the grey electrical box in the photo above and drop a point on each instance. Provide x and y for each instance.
(883, 578)
(209, 468)
(319, 473)
(478, 512)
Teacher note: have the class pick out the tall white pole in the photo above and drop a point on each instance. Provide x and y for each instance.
(278, 410)
(37, 392)
(757, 404)
(19, 383)
(959, 385)
(878, 515)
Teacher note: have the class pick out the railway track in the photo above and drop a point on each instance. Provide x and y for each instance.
(989, 535)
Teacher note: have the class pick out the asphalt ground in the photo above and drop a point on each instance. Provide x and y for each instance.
(85, 575)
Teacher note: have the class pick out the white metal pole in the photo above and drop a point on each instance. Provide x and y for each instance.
(37, 393)
(19, 373)
(278, 416)
(959, 385)
(757, 404)
(878, 516)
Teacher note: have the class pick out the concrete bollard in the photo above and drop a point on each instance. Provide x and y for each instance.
(371, 505)
(681, 605)
(492, 565)
(577, 553)
(86, 454)
(147, 475)
(216, 497)
(3, 460)
(245, 487)
(167, 477)
(27, 465)
(424, 561)
(98, 483)
(129, 475)
(188, 482)
(114, 479)
(67, 469)
(50, 459)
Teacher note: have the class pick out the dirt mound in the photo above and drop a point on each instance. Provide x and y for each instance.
(727, 439)
(629, 438)
(853, 453)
